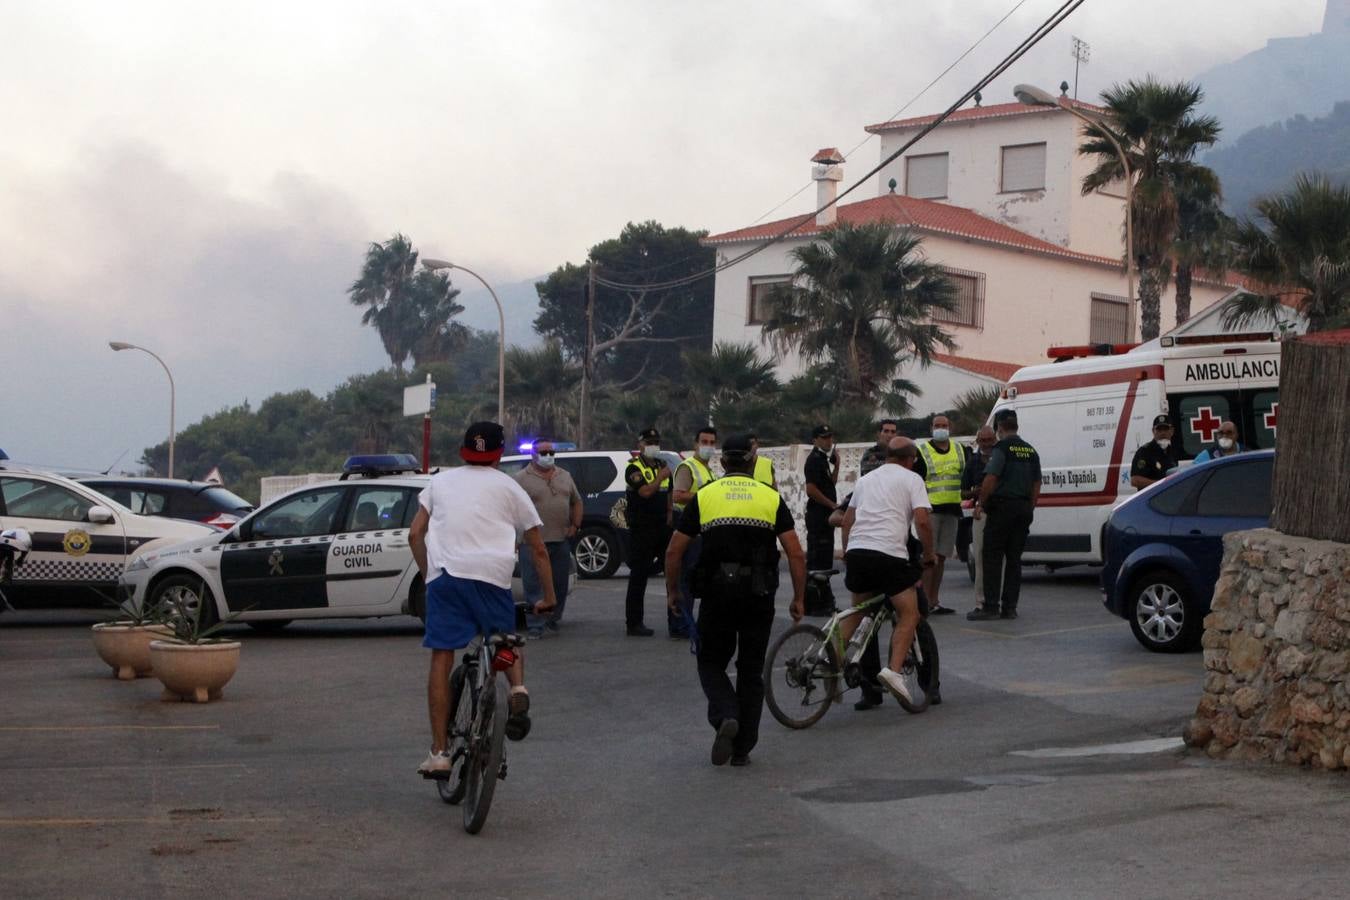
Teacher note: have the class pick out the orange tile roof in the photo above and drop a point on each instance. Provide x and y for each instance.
(999, 371)
(828, 156)
(997, 111)
(924, 215)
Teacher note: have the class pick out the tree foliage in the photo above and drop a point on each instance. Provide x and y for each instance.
(413, 310)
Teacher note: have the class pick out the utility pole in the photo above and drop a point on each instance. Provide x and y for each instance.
(1081, 52)
(587, 362)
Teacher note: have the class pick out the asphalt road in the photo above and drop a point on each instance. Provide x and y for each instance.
(301, 781)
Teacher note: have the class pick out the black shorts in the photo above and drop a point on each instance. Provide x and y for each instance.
(874, 572)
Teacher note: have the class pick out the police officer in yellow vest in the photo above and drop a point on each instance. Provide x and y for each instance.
(739, 520)
(691, 475)
(940, 465)
(763, 472)
(648, 511)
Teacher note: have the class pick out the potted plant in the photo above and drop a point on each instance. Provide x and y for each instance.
(192, 663)
(123, 642)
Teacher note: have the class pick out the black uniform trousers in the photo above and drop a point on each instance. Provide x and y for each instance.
(1005, 536)
(819, 538)
(646, 549)
(734, 624)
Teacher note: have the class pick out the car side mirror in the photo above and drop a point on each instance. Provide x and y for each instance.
(100, 515)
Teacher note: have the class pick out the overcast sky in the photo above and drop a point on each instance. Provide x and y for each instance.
(203, 178)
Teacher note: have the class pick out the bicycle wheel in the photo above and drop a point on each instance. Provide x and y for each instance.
(801, 676)
(929, 678)
(484, 760)
(461, 720)
(912, 675)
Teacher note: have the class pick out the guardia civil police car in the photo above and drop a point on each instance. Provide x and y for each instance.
(335, 549)
(81, 539)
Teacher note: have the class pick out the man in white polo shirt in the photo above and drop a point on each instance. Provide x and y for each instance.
(464, 540)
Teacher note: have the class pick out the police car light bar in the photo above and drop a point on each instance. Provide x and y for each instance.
(380, 464)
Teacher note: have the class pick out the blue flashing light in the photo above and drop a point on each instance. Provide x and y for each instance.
(527, 446)
(381, 464)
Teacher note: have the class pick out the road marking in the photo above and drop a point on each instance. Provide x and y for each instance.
(148, 820)
(986, 632)
(109, 727)
(1151, 745)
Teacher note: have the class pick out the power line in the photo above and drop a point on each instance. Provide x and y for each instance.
(912, 100)
(1045, 28)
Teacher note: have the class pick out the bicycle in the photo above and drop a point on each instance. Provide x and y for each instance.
(477, 733)
(806, 662)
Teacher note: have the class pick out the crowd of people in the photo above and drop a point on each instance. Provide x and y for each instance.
(719, 540)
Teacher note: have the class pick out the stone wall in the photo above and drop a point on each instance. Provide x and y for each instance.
(1277, 653)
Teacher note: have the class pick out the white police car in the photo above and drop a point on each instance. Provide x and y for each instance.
(333, 550)
(81, 539)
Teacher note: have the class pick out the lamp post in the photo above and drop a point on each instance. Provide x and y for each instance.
(435, 265)
(1031, 95)
(123, 345)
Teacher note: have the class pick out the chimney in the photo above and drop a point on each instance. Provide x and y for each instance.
(827, 173)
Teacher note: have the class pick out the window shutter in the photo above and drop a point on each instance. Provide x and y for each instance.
(1024, 167)
(1110, 320)
(926, 176)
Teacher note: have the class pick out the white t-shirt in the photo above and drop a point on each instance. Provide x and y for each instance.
(883, 507)
(477, 517)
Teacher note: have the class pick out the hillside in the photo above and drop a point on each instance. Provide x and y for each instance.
(1265, 160)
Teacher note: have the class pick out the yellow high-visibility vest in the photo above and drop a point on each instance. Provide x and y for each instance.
(737, 500)
(944, 472)
(702, 475)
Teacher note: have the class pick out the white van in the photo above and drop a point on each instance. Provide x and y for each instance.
(1087, 414)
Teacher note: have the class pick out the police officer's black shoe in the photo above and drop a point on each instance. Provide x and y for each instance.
(981, 614)
(640, 631)
(1008, 614)
(868, 701)
(724, 744)
(741, 759)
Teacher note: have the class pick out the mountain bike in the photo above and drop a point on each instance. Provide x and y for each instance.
(477, 732)
(804, 667)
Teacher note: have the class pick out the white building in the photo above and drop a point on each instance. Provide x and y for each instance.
(995, 194)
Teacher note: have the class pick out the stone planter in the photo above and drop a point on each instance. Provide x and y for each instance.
(194, 672)
(126, 648)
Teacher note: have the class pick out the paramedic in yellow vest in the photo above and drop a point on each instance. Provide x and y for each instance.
(647, 480)
(741, 521)
(763, 471)
(691, 475)
(940, 465)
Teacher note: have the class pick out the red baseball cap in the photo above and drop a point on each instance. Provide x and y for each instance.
(483, 443)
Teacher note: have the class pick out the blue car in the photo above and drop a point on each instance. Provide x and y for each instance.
(1163, 546)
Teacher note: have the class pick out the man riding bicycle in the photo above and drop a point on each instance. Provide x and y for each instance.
(464, 541)
(885, 502)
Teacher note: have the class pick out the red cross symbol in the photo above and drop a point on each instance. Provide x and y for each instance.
(1271, 416)
(1205, 424)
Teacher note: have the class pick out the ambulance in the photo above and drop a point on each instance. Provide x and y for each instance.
(1087, 413)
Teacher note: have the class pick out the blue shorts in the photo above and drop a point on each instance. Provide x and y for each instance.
(460, 609)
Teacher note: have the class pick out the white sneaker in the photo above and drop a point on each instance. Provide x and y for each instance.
(895, 684)
(435, 762)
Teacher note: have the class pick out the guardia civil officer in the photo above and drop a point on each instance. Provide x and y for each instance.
(739, 519)
(1152, 461)
(691, 475)
(647, 480)
(1008, 495)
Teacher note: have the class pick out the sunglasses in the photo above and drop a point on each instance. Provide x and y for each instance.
(546, 453)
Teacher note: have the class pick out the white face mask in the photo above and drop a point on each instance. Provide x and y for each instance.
(705, 452)
(1225, 443)
(544, 462)
(652, 451)
(1164, 442)
(941, 434)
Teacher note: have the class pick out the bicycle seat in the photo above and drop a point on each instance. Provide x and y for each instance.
(822, 574)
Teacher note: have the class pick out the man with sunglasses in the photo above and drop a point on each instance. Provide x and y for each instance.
(558, 502)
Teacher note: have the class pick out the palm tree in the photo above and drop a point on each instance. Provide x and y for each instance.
(727, 377)
(1161, 132)
(433, 304)
(1303, 250)
(543, 387)
(1203, 239)
(861, 302)
(383, 288)
(972, 409)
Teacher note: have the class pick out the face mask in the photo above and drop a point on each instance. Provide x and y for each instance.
(1164, 442)
(705, 453)
(652, 451)
(1225, 443)
(544, 462)
(941, 434)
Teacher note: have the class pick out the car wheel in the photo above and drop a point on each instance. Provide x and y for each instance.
(190, 593)
(596, 552)
(1163, 616)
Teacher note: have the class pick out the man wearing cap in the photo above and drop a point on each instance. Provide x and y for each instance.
(821, 472)
(764, 473)
(464, 541)
(740, 521)
(647, 482)
(1008, 495)
(1152, 461)
(691, 475)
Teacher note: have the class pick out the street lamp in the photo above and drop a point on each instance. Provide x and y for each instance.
(1031, 95)
(434, 265)
(123, 345)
